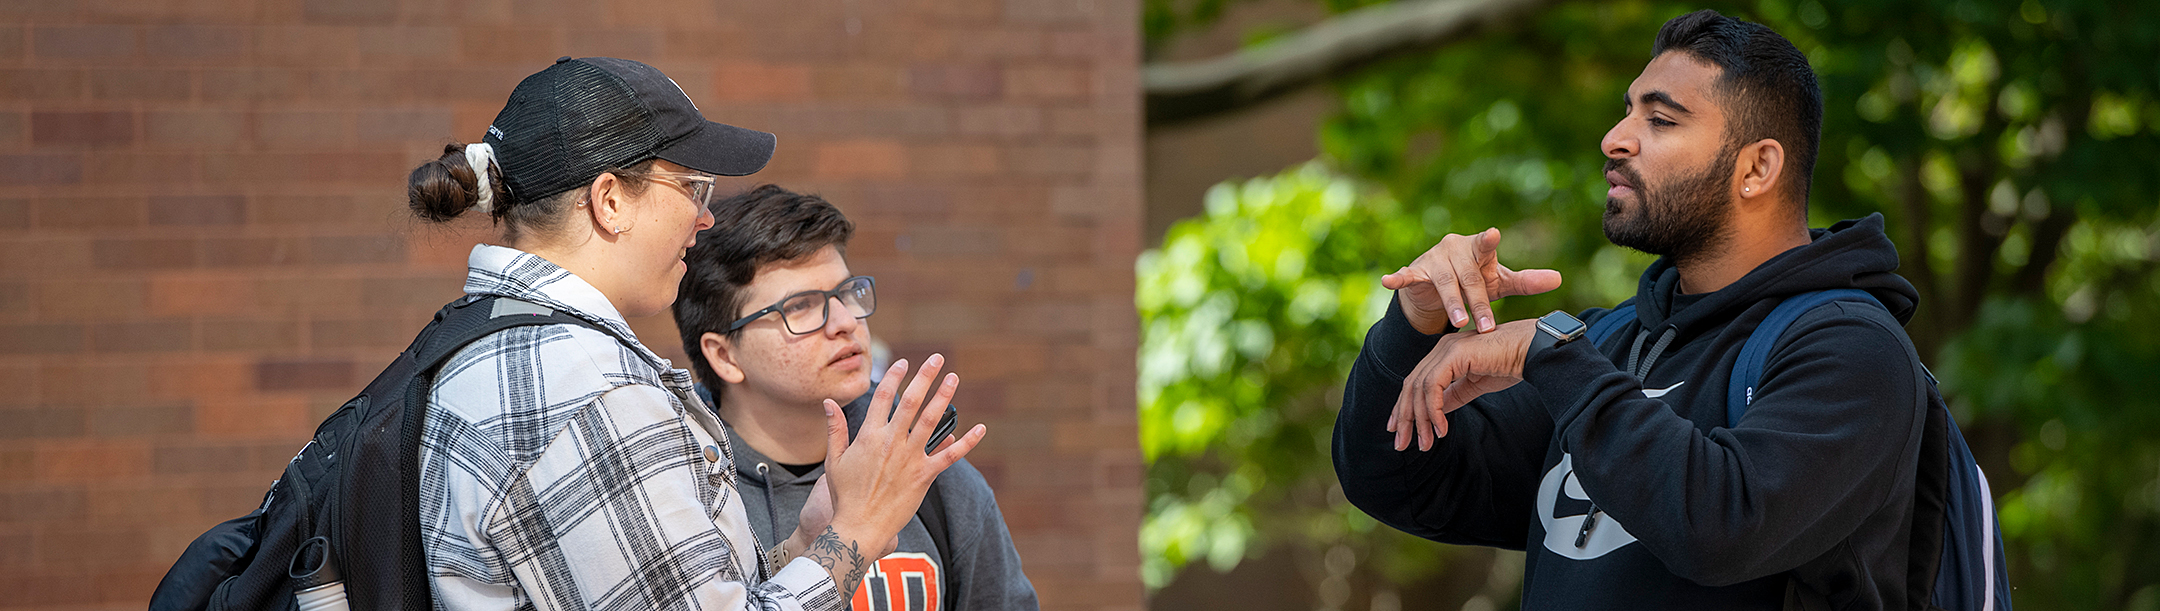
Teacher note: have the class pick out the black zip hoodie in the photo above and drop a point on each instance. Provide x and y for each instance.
(1808, 497)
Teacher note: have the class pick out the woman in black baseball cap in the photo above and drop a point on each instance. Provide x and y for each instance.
(562, 468)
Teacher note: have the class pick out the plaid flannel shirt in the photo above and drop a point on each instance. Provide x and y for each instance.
(563, 469)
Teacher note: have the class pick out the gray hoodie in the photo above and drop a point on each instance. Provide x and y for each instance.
(976, 564)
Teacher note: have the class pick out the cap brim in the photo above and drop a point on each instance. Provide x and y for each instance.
(719, 148)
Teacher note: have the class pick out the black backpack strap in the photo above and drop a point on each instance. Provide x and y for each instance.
(460, 324)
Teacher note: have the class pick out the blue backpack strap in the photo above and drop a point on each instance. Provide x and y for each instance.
(1612, 322)
(1755, 354)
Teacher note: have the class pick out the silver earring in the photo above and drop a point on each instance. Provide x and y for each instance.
(618, 230)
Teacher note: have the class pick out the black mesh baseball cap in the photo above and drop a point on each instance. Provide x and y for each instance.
(579, 117)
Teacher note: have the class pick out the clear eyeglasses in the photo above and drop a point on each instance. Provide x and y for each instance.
(700, 186)
(806, 312)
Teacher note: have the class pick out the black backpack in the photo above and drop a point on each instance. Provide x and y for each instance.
(347, 508)
(1956, 560)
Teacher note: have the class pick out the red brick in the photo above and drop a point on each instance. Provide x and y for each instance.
(41, 84)
(305, 46)
(520, 46)
(164, 169)
(305, 209)
(197, 210)
(247, 251)
(194, 129)
(1001, 121)
(181, 295)
(302, 127)
(347, 250)
(249, 334)
(141, 84)
(17, 464)
(50, 587)
(1048, 83)
(41, 504)
(39, 422)
(861, 82)
(144, 253)
(41, 338)
(24, 170)
(195, 42)
(12, 130)
(84, 41)
(297, 374)
(704, 44)
(149, 420)
(750, 81)
(254, 419)
(328, 296)
(1051, 160)
(92, 460)
(90, 298)
(349, 11)
(104, 382)
(14, 214)
(251, 84)
(82, 128)
(431, 126)
(16, 298)
(955, 160)
(200, 378)
(861, 159)
(188, 457)
(408, 42)
(636, 44)
(88, 212)
(1063, 12)
(362, 333)
(955, 82)
(143, 336)
(41, 8)
(1004, 44)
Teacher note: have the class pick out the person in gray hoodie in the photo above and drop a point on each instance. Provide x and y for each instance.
(775, 325)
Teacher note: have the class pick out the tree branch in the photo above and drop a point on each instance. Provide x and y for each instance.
(1183, 91)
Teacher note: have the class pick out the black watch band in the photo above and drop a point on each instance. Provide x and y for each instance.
(1553, 330)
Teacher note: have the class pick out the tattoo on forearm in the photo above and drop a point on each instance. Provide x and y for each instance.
(840, 558)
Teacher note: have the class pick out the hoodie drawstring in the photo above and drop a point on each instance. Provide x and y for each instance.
(1664, 341)
(772, 512)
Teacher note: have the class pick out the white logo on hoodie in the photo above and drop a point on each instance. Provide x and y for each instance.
(1561, 532)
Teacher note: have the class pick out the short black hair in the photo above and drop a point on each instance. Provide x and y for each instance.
(1766, 82)
(761, 226)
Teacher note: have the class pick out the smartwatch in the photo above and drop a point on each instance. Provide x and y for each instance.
(1553, 330)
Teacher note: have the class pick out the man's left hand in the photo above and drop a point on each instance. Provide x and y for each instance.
(1463, 366)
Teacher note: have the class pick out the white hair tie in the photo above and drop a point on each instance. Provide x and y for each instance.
(479, 155)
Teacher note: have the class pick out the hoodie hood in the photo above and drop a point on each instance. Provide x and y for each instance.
(747, 458)
(1853, 253)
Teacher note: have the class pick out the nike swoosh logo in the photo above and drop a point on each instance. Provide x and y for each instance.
(1660, 392)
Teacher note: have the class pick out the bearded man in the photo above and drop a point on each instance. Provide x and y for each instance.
(1613, 463)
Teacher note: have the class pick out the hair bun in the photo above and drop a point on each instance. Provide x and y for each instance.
(445, 187)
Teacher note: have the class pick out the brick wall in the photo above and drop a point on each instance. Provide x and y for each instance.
(204, 248)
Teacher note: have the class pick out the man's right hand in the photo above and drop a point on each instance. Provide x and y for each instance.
(1456, 281)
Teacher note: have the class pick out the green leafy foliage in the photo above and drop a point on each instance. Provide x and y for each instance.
(2011, 146)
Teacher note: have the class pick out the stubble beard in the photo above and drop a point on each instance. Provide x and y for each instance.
(1680, 220)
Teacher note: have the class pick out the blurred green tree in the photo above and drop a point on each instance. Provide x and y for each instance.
(2013, 146)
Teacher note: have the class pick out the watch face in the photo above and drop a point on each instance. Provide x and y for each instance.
(1562, 324)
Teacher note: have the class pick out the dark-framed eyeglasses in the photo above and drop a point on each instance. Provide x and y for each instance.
(805, 312)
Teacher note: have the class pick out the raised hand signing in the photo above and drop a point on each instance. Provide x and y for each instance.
(1457, 280)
